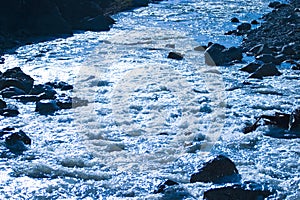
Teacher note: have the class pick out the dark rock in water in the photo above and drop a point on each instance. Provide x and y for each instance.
(200, 48)
(11, 91)
(266, 70)
(9, 111)
(103, 83)
(274, 4)
(175, 56)
(233, 32)
(2, 104)
(254, 22)
(44, 91)
(2, 61)
(216, 170)
(260, 49)
(296, 67)
(267, 58)
(27, 98)
(60, 85)
(217, 54)
(46, 107)
(16, 141)
(251, 67)
(235, 20)
(65, 102)
(236, 192)
(98, 23)
(17, 78)
(288, 50)
(164, 185)
(243, 28)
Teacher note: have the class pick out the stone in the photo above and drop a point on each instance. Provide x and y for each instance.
(9, 111)
(164, 185)
(267, 58)
(266, 70)
(251, 67)
(200, 48)
(11, 92)
(17, 78)
(244, 27)
(98, 23)
(175, 56)
(43, 91)
(46, 107)
(65, 102)
(235, 20)
(16, 142)
(2, 104)
(274, 4)
(236, 192)
(288, 50)
(254, 22)
(218, 169)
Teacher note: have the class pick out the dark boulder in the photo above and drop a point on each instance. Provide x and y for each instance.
(2, 104)
(175, 56)
(260, 49)
(16, 141)
(98, 23)
(288, 50)
(9, 111)
(251, 67)
(235, 20)
(267, 58)
(243, 28)
(46, 107)
(164, 185)
(218, 55)
(44, 91)
(266, 70)
(65, 102)
(219, 169)
(60, 85)
(11, 92)
(254, 22)
(274, 4)
(17, 78)
(236, 192)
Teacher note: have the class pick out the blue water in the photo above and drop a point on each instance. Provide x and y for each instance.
(146, 123)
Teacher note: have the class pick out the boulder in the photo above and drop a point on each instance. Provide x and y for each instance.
(16, 141)
(251, 67)
(218, 55)
(17, 78)
(9, 111)
(65, 102)
(266, 70)
(260, 49)
(98, 23)
(175, 56)
(2, 104)
(43, 91)
(267, 58)
(164, 185)
(274, 4)
(235, 20)
(236, 192)
(243, 28)
(11, 92)
(288, 50)
(46, 107)
(219, 169)
(254, 22)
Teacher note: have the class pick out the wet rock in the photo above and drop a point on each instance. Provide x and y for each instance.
(60, 85)
(164, 185)
(244, 27)
(251, 67)
(235, 20)
(9, 111)
(2, 61)
(98, 23)
(11, 91)
(65, 102)
(43, 91)
(27, 98)
(217, 54)
(254, 22)
(266, 70)
(17, 78)
(237, 192)
(274, 4)
(175, 56)
(261, 49)
(16, 142)
(288, 50)
(46, 107)
(2, 104)
(219, 169)
(296, 66)
(267, 58)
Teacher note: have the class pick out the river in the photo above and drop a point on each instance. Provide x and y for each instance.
(149, 118)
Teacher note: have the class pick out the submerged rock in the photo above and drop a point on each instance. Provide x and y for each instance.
(175, 56)
(236, 192)
(235, 20)
(219, 169)
(2, 104)
(66, 102)
(161, 188)
(11, 92)
(15, 141)
(9, 111)
(46, 107)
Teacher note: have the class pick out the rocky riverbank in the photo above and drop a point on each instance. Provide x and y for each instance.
(27, 21)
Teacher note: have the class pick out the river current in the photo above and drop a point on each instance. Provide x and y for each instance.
(149, 118)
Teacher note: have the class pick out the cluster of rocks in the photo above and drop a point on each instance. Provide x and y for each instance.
(221, 170)
(25, 21)
(15, 84)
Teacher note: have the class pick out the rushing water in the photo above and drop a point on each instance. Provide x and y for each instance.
(149, 118)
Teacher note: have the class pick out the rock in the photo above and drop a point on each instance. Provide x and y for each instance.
(60, 85)
(46, 107)
(65, 102)
(288, 50)
(235, 20)
(236, 192)
(233, 32)
(200, 48)
(244, 27)
(43, 91)
(9, 111)
(11, 91)
(217, 54)
(267, 58)
(2, 61)
(17, 78)
(16, 142)
(2, 104)
(98, 23)
(266, 70)
(175, 56)
(251, 67)
(216, 170)
(164, 185)
(296, 66)
(274, 4)
(260, 49)
(27, 98)
(254, 22)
